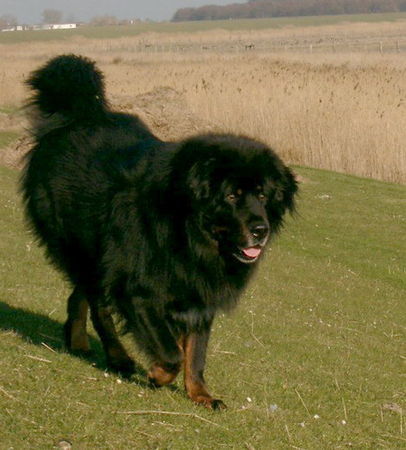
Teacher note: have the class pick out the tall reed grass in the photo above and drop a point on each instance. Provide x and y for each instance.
(344, 112)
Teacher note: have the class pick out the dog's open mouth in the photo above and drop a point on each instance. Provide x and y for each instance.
(248, 254)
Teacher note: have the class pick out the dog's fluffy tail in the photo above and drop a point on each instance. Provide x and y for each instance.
(69, 86)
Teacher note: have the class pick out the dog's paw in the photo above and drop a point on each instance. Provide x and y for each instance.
(214, 404)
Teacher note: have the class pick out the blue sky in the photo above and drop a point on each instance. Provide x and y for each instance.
(29, 11)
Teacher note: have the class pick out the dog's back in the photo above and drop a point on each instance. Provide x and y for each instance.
(76, 137)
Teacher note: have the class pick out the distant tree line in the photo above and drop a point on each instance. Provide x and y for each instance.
(285, 8)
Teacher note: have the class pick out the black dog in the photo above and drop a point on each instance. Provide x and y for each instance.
(164, 234)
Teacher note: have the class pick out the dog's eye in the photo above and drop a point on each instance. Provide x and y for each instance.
(231, 198)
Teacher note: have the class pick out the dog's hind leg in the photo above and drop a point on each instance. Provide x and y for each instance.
(76, 339)
(161, 345)
(117, 357)
(194, 348)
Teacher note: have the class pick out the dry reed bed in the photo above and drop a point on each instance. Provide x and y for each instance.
(342, 112)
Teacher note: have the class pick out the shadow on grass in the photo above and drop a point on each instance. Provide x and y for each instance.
(39, 329)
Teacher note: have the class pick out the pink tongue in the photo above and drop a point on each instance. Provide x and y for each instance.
(252, 252)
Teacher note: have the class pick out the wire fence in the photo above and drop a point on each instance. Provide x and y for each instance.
(375, 46)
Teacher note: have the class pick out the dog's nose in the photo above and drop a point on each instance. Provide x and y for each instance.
(259, 230)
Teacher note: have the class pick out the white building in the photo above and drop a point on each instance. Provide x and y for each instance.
(47, 26)
(62, 26)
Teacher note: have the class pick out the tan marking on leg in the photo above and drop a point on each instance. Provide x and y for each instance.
(194, 347)
(161, 374)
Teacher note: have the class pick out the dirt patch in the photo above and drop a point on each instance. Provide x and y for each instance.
(13, 121)
(12, 155)
(166, 111)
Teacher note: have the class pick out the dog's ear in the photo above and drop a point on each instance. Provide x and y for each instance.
(283, 189)
(287, 190)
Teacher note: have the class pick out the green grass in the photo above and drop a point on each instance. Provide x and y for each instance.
(110, 32)
(318, 339)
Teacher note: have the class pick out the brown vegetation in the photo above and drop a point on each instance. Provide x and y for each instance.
(340, 111)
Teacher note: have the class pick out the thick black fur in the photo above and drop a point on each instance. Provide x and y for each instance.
(165, 234)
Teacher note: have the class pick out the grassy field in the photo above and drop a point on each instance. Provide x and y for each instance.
(313, 357)
(111, 32)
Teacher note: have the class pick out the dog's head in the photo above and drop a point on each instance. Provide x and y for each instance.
(239, 190)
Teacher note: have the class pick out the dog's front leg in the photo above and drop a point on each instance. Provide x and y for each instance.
(194, 349)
